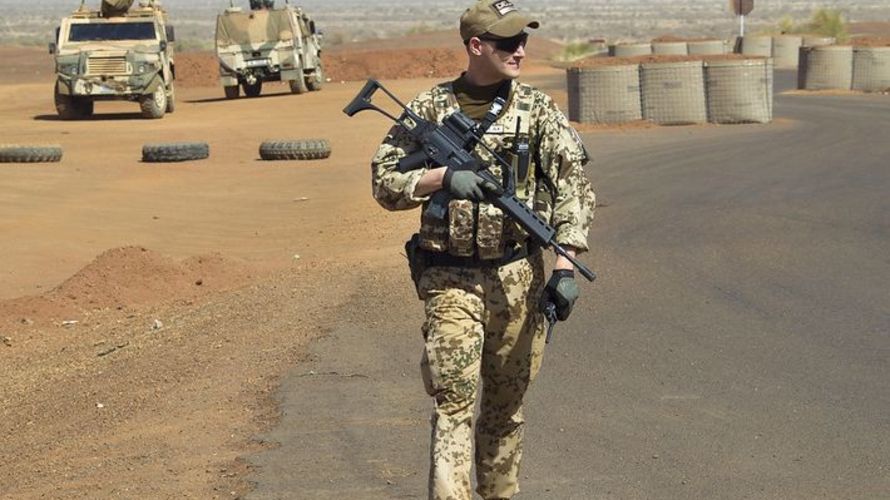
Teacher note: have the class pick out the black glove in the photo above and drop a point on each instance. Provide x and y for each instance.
(562, 291)
(466, 184)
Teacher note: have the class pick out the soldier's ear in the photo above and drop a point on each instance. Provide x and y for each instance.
(474, 46)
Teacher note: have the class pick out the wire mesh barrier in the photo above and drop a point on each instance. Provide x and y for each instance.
(739, 91)
(607, 94)
(786, 50)
(670, 48)
(706, 48)
(673, 93)
(871, 69)
(825, 67)
(630, 49)
(818, 41)
(757, 46)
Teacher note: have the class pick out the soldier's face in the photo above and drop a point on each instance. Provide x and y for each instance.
(504, 57)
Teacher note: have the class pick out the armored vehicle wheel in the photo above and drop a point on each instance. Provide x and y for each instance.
(253, 90)
(171, 100)
(298, 86)
(72, 108)
(306, 149)
(154, 105)
(232, 92)
(316, 80)
(86, 107)
(14, 153)
(175, 151)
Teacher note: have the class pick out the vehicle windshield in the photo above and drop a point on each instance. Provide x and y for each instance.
(108, 31)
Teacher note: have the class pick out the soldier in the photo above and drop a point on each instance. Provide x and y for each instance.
(481, 279)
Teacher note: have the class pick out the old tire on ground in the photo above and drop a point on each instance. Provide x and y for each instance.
(232, 92)
(298, 86)
(316, 79)
(305, 149)
(253, 90)
(171, 100)
(15, 153)
(71, 108)
(154, 105)
(175, 151)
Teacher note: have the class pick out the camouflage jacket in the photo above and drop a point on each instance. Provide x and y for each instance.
(554, 184)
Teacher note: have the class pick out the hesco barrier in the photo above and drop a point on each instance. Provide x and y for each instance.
(826, 67)
(670, 48)
(786, 50)
(818, 41)
(631, 49)
(606, 94)
(706, 48)
(757, 46)
(673, 93)
(739, 91)
(871, 69)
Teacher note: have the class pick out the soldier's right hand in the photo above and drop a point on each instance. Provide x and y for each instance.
(562, 291)
(466, 184)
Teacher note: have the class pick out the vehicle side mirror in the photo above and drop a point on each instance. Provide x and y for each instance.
(163, 45)
(171, 34)
(52, 47)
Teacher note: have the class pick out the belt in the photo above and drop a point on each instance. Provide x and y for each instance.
(441, 259)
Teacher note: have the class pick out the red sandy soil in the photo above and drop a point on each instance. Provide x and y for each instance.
(871, 41)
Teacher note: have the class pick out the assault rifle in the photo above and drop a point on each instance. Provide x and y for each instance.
(450, 145)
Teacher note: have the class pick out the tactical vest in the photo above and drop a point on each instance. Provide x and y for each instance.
(480, 229)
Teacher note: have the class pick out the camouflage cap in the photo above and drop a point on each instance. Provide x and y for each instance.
(499, 18)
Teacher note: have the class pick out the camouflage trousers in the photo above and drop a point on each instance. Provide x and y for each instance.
(482, 325)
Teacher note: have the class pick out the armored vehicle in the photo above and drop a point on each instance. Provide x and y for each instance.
(268, 44)
(119, 52)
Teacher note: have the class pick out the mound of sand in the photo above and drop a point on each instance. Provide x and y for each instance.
(127, 278)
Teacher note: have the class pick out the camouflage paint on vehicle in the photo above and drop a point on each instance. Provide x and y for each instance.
(116, 53)
(268, 45)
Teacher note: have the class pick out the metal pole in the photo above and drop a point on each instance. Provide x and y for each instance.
(742, 25)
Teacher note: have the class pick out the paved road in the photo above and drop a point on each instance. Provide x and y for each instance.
(736, 344)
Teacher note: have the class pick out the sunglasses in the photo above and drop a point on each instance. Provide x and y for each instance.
(509, 45)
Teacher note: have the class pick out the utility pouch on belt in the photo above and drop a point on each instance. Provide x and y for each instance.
(418, 260)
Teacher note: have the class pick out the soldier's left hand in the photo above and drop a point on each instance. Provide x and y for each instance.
(562, 291)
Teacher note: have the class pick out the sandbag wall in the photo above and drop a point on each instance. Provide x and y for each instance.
(673, 93)
(606, 94)
(698, 48)
(842, 67)
(784, 49)
(871, 69)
